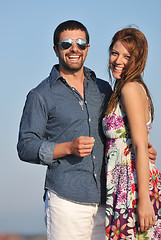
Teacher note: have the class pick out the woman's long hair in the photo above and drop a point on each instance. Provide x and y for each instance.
(137, 46)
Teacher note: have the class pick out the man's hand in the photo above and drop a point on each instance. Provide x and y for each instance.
(82, 146)
(152, 153)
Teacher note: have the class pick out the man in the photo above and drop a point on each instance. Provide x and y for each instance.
(61, 128)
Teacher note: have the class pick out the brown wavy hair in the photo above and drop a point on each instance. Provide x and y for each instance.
(137, 45)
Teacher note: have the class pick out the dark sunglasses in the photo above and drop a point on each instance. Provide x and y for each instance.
(67, 43)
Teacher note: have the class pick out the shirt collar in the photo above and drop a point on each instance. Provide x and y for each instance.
(55, 75)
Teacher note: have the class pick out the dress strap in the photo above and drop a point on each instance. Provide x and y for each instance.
(144, 90)
(148, 101)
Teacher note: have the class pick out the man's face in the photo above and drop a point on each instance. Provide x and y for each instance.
(71, 59)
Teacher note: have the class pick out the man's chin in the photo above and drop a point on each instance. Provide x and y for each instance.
(73, 68)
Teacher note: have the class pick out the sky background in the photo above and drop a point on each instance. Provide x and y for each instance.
(26, 58)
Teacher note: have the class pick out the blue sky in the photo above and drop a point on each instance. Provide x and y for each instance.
(26, 58)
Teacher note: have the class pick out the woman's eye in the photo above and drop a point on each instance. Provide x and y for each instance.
(127, 57)
(114, 53)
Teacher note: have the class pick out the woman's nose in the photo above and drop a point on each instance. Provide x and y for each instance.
(118, 59)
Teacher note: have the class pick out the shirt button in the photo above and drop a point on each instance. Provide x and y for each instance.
(94, 157)
(85, 101)
(95, 175)
(90, 120)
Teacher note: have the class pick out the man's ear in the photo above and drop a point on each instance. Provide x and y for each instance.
(56, 50)
(88, 47)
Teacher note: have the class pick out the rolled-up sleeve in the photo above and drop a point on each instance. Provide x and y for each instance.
(32, 144)
(46, 153)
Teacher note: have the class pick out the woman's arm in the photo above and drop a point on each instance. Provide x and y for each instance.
(134, 103)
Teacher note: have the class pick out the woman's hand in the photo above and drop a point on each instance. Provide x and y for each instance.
(145, 214)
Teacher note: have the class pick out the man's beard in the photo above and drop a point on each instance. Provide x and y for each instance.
(71, 67)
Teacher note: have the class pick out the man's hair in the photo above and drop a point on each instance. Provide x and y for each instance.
(69, 25)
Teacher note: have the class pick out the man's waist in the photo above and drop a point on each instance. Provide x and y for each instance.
(77, 186)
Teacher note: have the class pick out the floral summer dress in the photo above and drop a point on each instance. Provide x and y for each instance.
(122, 183)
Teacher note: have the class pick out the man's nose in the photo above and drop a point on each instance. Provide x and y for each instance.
(74, 47)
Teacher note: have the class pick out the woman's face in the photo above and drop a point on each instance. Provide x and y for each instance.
(119, 58)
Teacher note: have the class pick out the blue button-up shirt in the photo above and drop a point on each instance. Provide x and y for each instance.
(54, 113)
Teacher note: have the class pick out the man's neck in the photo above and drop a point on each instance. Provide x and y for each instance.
(75, 80)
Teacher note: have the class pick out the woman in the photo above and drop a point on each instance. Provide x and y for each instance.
(133, 206)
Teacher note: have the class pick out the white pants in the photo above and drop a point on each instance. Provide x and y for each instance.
(66, 220)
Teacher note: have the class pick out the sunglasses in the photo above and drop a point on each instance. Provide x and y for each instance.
(67, 43)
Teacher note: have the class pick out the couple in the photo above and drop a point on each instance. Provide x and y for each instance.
(62, 128)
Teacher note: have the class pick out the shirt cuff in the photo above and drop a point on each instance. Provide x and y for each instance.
(46, 153)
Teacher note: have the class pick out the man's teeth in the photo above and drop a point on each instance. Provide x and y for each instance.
(74, 57)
